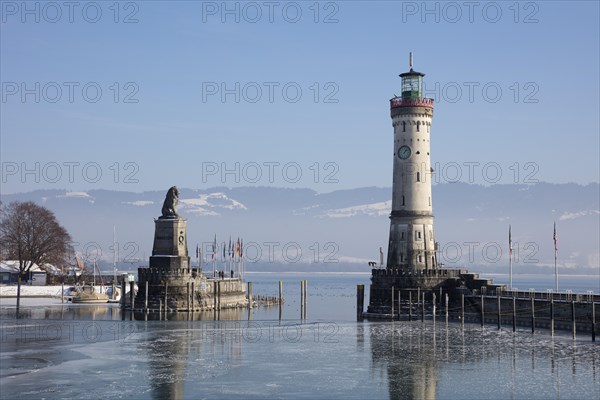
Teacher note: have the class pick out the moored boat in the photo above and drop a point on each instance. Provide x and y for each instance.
(88, 294)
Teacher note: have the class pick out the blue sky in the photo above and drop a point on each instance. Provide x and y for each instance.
(176, 59)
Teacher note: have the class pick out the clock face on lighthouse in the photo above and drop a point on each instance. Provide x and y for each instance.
(404, 152)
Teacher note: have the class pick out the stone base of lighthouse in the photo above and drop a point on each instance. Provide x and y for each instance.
(391, 283)
(386, 281)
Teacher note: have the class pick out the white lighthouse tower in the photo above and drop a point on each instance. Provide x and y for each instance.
(411, 245)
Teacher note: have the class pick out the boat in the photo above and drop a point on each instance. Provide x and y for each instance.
(113, 298)
(88, 294)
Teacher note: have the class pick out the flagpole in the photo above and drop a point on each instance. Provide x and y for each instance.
(114, 292)
(214, 261)
(555, 257)
(510, 285)
(555, 273)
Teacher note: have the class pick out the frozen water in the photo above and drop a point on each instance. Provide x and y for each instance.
(91, 352)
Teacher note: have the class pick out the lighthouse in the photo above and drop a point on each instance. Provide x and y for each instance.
(411, 244)
(412, 271)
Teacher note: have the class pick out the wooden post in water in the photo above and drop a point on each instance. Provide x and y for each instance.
(280, 291)
(146, 298)
(123, 289)
(462, 310)
(249, 294)
(433, 294)
(280, 298)
(360, 301)
(132, 295)
(593, 321)
(215, 295)
(302, 299)
(482, 311)
(418, 298)
(533, 314)
(410, 305)
(166, 294)
(573, 318)
(423, 308)
(219, 294)
(393, 303)
(514, 313)
(187, 288)
(305, 297)
(399, 304)
(552, 316)
(446, 308)
(499, 314)
(193, 295)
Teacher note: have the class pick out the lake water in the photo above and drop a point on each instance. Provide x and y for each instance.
(82, 351)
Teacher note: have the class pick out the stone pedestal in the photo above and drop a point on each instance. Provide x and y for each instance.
(170, 245)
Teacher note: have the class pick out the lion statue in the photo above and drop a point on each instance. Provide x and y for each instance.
(171, 200)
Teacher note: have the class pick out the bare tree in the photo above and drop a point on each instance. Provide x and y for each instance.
(31, 234)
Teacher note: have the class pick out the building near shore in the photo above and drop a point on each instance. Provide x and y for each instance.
(9, 274)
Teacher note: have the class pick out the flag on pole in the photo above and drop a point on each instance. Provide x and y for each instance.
(230, 252)
(241, 248)
(555, 241)
(224, 251)
(197, 251)
(237, 249)
(510, 249)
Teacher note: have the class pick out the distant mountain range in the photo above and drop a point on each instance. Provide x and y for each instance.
(300, 229)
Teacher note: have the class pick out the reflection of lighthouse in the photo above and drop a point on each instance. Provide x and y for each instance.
(411, 244)
(409, 358)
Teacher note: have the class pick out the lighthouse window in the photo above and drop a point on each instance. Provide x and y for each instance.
(418, 235)
(418, 152)
(420, 258)
(418, 177)
(402, 236)
(403, 205)
(401, 257)
(403, 126)
(418, 126)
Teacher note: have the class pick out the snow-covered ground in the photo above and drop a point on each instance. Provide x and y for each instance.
(31, 291)
(39, 291)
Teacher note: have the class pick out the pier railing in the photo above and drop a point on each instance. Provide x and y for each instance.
(545, 310)
(567, 295)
